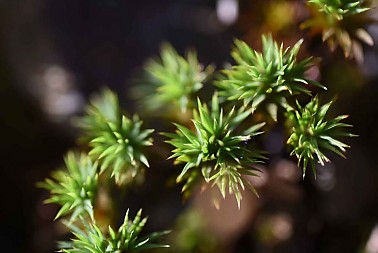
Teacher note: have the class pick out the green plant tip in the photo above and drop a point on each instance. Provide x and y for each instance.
(75, 187)
(126, 239)
(265, 78)
(115, 140)
(174, 80)
(339, 9)
(215, 149)
(311, 134)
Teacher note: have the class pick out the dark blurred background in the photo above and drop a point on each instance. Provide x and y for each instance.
(54, 54)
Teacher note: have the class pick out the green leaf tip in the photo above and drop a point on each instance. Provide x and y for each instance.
(311, 134)
(73, 187)
(265, 79)
(172, 81)
(116, 140)
(125, 239)
(215, 150)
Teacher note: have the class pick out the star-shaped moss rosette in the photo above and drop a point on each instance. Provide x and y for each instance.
(173, 81)
(91, 239)
(75, 187)
(115, 140)
(265, 78)
(341, 23)
(215, 150)
(311, 134)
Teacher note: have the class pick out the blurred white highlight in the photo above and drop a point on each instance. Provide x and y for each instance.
(326, 179)
(60, 99)
(227, 11)
(282, 226)
(372, 243)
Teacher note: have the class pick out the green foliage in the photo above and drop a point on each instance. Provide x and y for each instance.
(215, 148)
(115, 140)
(340, 8)
(269, 76)
(341, 23)
(175, 80)
(125, 240)
(311, 134)
(75, 187)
